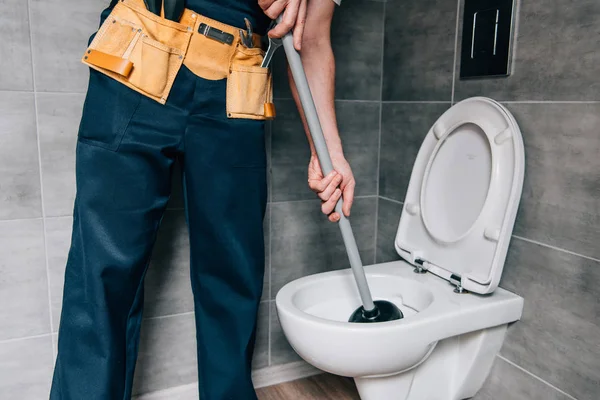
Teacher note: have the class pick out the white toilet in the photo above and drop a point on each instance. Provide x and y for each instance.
(454, 232)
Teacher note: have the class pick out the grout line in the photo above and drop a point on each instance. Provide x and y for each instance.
(270, 241)
(270, 177)
(39, 92)
(556, 248)
(181, 314)
(47, 217)
(369, 196)
(500, 101)
(415, 102)
(379, 138)
(13, 340)
(549, 101)
(392, 200)
(536, 377)
(20, 219)
(37, 133)
(336, 100)
(455, 50)
(270, 336)
(169, 316)
(356, 100)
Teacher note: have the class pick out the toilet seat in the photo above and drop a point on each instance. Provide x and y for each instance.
(463, 195)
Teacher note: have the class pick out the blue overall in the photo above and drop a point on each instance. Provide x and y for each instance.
(126, 149)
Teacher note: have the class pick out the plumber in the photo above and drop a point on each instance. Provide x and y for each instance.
(179, 80)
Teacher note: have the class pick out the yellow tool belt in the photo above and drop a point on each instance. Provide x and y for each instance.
(145, 52)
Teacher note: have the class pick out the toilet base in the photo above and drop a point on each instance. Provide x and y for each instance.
(455, 370)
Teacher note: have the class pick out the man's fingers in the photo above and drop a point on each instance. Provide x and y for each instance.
(287, 22)
(334, 217)
(299, 27)
(275, 8)
(265, 4)
(328, 191)
(318, 185)
(328, 206)
(348, 198)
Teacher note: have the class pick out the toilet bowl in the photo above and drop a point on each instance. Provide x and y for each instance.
(453, 236)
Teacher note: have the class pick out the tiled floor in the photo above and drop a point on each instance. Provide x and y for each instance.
(318, 387)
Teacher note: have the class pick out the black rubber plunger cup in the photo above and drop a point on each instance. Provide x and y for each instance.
(380, 310)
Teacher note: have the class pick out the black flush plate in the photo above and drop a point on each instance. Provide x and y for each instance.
(486, 39)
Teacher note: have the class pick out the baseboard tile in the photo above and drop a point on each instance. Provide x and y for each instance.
(262, 377)
(283, 373)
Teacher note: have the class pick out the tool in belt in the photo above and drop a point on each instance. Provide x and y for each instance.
(173, 8)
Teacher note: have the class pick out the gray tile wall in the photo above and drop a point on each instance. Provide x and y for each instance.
(554, 258)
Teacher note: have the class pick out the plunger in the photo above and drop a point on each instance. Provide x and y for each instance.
(370, 311)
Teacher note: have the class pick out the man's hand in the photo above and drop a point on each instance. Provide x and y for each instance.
(294, 17)
(338, 183)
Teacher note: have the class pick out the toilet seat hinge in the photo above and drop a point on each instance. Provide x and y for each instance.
(456, 281)
(419, 269)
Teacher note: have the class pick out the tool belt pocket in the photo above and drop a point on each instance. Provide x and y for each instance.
(249, 86)
(124, 49)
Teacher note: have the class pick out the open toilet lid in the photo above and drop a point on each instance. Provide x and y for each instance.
(463, 195)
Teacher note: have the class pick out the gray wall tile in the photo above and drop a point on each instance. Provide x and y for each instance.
(58, 242)
(556, 56)
(403, 129)
(24, 285)
(65, 25)
(167, 354)
(19, 171)
(281, 351)
(359, 130)
(268, 145)
(419, 49)
(557, 338)
(388, 218)
(356, 34)
(58, 122)
(261, 348)
(507, 382)
(290, 155)
(15, 48)
(561, 196)
(357, 42)
(304, 242)
(26, 368)
(266, 294)
(167, 287)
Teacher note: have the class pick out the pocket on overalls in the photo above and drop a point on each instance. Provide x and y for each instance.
(249, 86)
(107, 111)
(126, 49)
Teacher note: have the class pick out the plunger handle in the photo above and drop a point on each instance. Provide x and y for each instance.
(314, 126)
